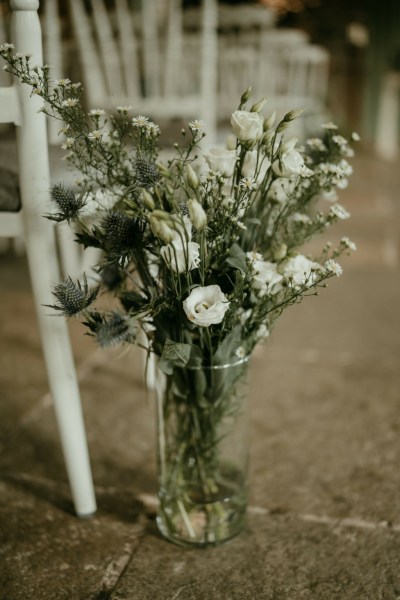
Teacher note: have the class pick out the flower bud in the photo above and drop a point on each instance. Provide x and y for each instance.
(197, 214)
(282, 126)
(258, 106)
(245, 96)
(269, 121)
(279, 251)
(160, 224)
(148, 200)
(293, 114)
(191, 177)
(162, 169)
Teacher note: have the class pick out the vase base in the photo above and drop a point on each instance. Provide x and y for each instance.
(201, 524)
(187, 542)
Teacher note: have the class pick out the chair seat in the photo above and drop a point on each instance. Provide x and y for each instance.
(10, 200)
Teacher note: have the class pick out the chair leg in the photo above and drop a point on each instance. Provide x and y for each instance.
(61, 370)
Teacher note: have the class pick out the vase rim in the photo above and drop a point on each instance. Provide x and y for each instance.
(238, 362)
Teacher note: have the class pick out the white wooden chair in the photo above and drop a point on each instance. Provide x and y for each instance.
(16, 106)
(138, 57)
(260, 60)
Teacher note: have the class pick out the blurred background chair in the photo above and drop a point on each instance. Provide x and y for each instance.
(140, 58)
(25, 219)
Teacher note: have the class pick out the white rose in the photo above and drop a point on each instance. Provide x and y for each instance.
(247, 126)
(266, 277)
(206, 306)
(220, 159)
(300, 270)
(250, 162)
(181, 258)
(291, 163)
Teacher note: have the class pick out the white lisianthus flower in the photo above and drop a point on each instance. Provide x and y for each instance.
(181, 257)
(247, 126)
(266, 277)
(299, 270)
(220, 159)
(290, 163)
(250, 163)
(206, 306)
(182, 230)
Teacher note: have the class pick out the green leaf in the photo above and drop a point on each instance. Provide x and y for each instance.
(237, 258)
(174, 355)
(87, 240)
(226, 350)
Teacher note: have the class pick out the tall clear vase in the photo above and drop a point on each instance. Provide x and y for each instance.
(202, 453)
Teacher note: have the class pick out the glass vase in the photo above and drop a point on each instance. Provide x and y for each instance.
(202, 453)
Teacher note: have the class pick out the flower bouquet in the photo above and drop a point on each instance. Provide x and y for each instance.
(201, 253)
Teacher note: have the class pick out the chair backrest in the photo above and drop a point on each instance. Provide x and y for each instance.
(308, 74)
(18, 107)
(140, 58)
(53, 55)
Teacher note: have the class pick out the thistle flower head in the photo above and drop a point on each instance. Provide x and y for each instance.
(120, 232)
(73, 297)
(66, 203)
(146, 173)
(115, 329)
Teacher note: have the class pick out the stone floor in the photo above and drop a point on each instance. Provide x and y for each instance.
(324, 515)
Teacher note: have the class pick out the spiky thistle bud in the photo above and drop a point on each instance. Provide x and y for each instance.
(115, 329)
(67, 203)
(121, 233)
(73, 297)
(146, 173)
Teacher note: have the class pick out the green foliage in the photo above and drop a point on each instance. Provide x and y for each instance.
(228, 220)
(174, 355)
